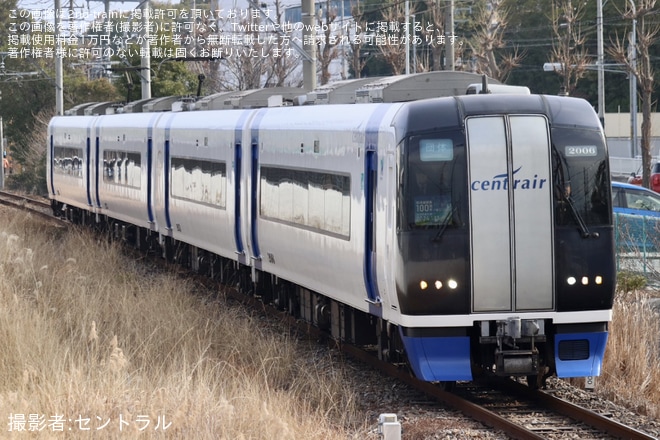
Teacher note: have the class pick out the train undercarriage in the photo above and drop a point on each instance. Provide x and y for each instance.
(513, 347)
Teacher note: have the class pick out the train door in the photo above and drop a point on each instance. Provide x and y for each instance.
(370, 186)
(252, 173)
(511, 228)
(89, 162)
(158, 133)
(95, 166)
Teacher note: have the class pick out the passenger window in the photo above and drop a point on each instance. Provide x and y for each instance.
(642, 201)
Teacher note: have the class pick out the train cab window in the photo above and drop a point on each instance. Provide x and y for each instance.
(433, 181)
(580, 169)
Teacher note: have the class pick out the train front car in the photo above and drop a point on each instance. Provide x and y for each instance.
(506, 255)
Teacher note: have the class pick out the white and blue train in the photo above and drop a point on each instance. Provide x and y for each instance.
(465, 234)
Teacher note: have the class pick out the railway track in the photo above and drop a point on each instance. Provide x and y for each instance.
(38, 207)
(514, 408)
(504, 405)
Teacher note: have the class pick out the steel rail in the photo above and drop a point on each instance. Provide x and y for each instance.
(575, 412)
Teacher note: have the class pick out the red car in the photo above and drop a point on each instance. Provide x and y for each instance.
(655, 178)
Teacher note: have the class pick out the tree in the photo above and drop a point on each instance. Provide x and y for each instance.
(435, 16)
(284, 62)
(327, 45)
(356, 38)
(393, 52)
(647, 35)
(260, 52)
(168, 78)
(78, 89)
(488, 42)
(568, 50)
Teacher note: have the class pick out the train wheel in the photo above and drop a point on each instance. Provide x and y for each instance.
(533, 381)
(448, 386)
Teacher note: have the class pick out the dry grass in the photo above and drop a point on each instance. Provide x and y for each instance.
(631, 370)
(87, 337)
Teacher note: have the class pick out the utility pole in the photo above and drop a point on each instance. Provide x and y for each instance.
(449, 36)
(633, 82)
(601, 71)
(145, 57)
(59, 81)
(309, 37)
(408, 24)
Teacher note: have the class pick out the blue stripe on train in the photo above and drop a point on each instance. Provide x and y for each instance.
(439, 358)
(579, 354)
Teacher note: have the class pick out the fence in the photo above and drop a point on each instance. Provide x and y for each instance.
(637, 240)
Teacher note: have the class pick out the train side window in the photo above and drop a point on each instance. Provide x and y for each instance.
(122, 168)
(200, 181)
(68, 161)
(314, 200)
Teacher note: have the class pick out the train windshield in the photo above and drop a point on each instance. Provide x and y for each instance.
(433, 182)
(581, 178)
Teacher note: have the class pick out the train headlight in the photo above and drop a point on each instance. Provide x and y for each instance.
(423, 285)
(438, 285)
(571, 281)
(598, 279)
(585, 281)
(453, 284)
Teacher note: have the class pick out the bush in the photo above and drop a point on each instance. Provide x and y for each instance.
(29, 181)
(630, 281)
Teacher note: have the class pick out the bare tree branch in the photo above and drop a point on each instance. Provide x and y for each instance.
(568, 45)
(647, 34)
(489, 39)
(327, 45)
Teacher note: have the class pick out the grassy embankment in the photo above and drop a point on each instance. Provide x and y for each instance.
(90, 338)
(93, 345)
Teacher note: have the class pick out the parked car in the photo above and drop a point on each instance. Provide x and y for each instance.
(637, 217)
(633, 199)
(655, 178)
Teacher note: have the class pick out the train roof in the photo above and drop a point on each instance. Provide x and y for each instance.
(78, 110)
(161, 104)
(398, 88)
(433, 114)
(338, 92)
(136, 106)
(402, 88)
(101, 108)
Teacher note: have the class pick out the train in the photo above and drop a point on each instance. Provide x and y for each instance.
(461, 235)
